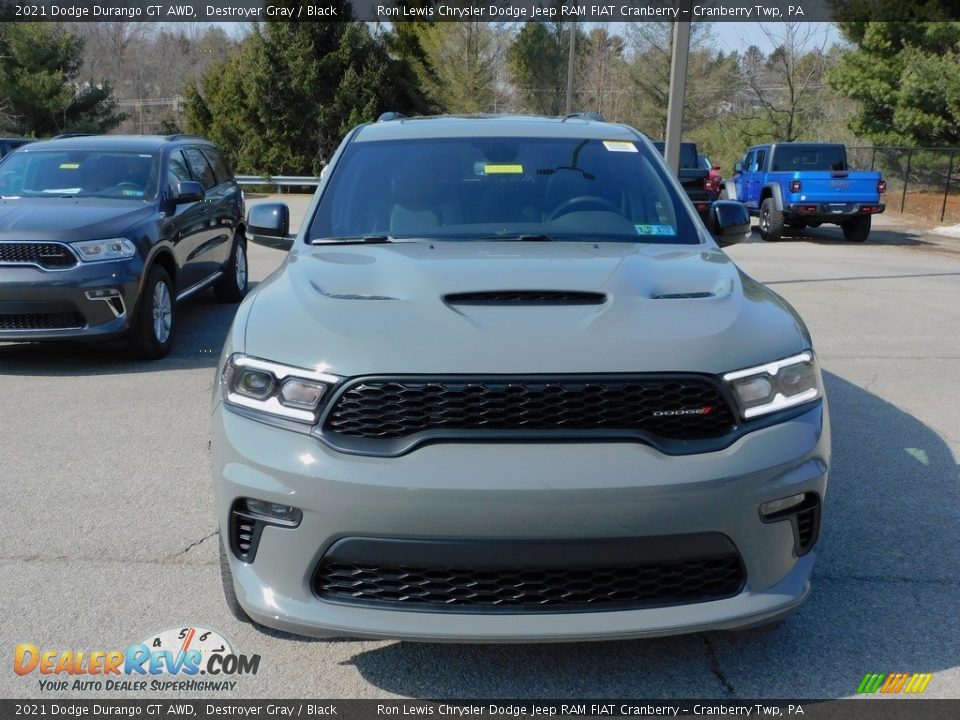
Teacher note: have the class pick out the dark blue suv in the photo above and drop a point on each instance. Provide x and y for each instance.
(100, 236)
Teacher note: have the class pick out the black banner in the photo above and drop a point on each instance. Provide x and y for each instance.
(477, 10)
(852, 709)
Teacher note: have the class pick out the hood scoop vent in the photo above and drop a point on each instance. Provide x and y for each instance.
(685, 295)
(526, 297)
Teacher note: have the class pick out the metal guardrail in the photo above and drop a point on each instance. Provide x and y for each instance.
(277, 180)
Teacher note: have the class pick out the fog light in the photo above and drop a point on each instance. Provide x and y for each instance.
(112, 297)
(271, 511)
(777, 506)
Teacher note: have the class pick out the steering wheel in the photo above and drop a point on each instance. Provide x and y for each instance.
(566, 207)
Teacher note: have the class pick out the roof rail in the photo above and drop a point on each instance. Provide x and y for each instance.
(64, 136)
(387, 116)
(596, 117)
(182, 136)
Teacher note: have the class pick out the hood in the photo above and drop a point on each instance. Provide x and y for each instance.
(387, 309)
(69, 219)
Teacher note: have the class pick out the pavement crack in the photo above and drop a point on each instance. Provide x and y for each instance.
(715, 666)
(192, 545)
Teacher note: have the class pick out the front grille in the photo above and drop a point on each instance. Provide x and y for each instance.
(601, 587)
(527, 297)
(52, 256)
(42, 321)
(684, 408)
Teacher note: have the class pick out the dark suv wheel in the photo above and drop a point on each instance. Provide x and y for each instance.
(232, 287)
(151, 335)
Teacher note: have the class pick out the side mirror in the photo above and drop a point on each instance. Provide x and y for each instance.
(738, 166)
(269, 224)
(188, 191)
(728, 222)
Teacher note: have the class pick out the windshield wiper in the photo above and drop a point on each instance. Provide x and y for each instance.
(524, 237)
(354, 240)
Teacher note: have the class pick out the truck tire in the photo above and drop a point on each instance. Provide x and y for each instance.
(858, 229)
(771, 221)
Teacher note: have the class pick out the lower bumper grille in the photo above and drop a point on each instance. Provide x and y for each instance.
(622, 582)
(42, 321)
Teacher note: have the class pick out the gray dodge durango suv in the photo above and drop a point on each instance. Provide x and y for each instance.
(506, 387)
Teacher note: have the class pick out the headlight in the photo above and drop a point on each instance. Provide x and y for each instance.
(775, 386)
(99, 250)
(274, 390)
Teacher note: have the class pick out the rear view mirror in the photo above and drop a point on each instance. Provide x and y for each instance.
(188, 191)
(269, 224)
(728, 222)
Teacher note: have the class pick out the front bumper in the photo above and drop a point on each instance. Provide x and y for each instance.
(522, 491)
(40, 304)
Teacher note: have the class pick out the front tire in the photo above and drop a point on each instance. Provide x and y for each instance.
(858, 229)
(771, 221)
(151, 336)
(232, 287)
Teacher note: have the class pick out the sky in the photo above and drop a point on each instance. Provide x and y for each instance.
(739, 35)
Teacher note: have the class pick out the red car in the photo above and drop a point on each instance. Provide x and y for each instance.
(714, 181)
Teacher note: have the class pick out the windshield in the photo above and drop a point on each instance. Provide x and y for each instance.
(509, 188)
(79, 173)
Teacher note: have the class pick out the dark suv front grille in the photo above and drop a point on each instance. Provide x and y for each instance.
(683, 408)
(601, 584)
(51, 256)
(42, 321)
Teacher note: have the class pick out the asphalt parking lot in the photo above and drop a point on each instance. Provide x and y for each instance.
(109, 530)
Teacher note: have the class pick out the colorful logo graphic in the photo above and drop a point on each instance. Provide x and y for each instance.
(894, 683)
(185, 651)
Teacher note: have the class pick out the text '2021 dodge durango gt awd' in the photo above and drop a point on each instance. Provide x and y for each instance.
(101, 236)
(506, 387)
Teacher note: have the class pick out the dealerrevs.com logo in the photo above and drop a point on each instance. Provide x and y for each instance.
(171, 660)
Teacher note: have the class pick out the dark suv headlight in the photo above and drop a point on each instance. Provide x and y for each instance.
(272, 390)
(776, 386)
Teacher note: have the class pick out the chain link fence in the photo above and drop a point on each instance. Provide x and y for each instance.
(924, 182)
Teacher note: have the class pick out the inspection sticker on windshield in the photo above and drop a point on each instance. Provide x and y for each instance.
(655, 230)
(498, 169)
(619, 146)
(69, 166)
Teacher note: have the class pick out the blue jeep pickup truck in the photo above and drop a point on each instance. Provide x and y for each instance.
(800, 185)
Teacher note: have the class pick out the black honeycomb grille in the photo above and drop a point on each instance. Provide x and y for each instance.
(685, 408)
(42, 321)
(645, 585)
(52, 256)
